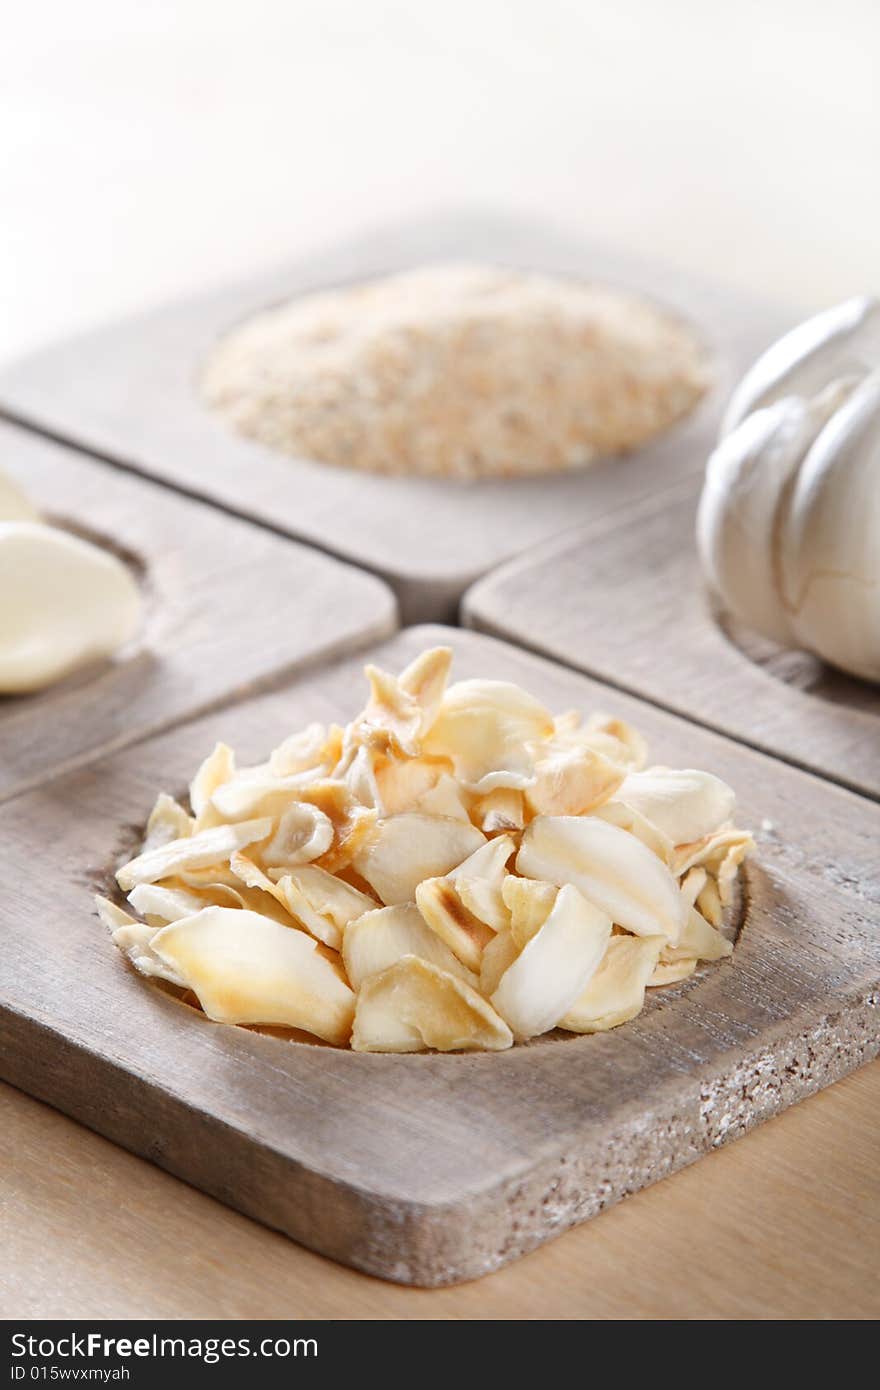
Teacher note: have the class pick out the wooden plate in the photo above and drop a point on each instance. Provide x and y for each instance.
(229, 610)
(129, 393)
(624, 600)
(430, 1169)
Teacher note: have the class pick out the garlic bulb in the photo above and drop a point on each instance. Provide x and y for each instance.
(63, 602)
(788, 526)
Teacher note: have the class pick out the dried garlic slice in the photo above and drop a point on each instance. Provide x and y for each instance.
(612, 868)
(412, 1006)
(405, 850)
(443, 901)
(683, 803)
(244, 968)
(616, 993)
(552, 969)
(485, 728)
(200, 851)
(134, 939)
(384, 936)
(572, 782)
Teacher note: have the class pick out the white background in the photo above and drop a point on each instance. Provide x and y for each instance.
(152, 147)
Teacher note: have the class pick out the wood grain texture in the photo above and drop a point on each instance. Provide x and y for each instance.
(784, 1224)
(227, 609)
(624, 600)
(129, 393)
(431, 1169)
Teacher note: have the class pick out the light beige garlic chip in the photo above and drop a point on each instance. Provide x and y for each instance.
(618, 813)
(323, 903)
(713, 850)
(255, 793)
(445, 798)
(612, 869)
(529, 903)
(670, 972)
(401, 709)
(616, 993)
(683, 803)
(572, 782)
(553, 968)
(134, 939)
(403, 783)
(168, 821)
(217, 768)
(708, 900)
(699, 941)
(498, 955)
(485, 728)
(202, 851)
(413, 1006)
(384, 936)
(357, 770)
(405, 850)
(276, 900)
(164, 904)
(442, 901)
(314, 749)
(245, 968)
(693, 883)
(628, 746)
(303, 834)
(500, 810)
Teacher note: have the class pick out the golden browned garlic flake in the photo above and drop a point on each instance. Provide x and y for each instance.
(455, 870)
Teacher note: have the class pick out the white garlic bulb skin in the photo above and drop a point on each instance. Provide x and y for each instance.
(63, 603)
(840, 343)
(788, 526)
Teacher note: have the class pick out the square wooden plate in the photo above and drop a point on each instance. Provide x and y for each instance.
(430, 1169)
(130, 393)
(228, 609)
(643, 621)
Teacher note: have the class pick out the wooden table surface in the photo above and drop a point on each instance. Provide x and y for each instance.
(782, 1224)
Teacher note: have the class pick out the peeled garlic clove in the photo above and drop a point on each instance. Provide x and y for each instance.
(739, 520)
(412, 1006)
(840, 342)
(384, 936)
(484, 728)
(612, 869)
(552, 969)
(209, 848)
(830, 553)
(404, 850)
(683, 803)
(63, 603)
(14, 506)
(245, 968)
(616, 993)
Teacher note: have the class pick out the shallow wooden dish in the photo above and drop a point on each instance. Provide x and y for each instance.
(129, 393)
(643, 621)
(431, 1169)
(228, 610)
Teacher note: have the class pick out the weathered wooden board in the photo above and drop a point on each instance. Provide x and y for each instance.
(227, 608)
(129, 393)
(624, 600)
(433, 1169)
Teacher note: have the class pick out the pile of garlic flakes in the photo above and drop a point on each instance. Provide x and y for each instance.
(456, 869)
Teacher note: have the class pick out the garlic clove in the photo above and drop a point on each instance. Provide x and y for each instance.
(830, 554)
(63, 603)
(840, 342)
